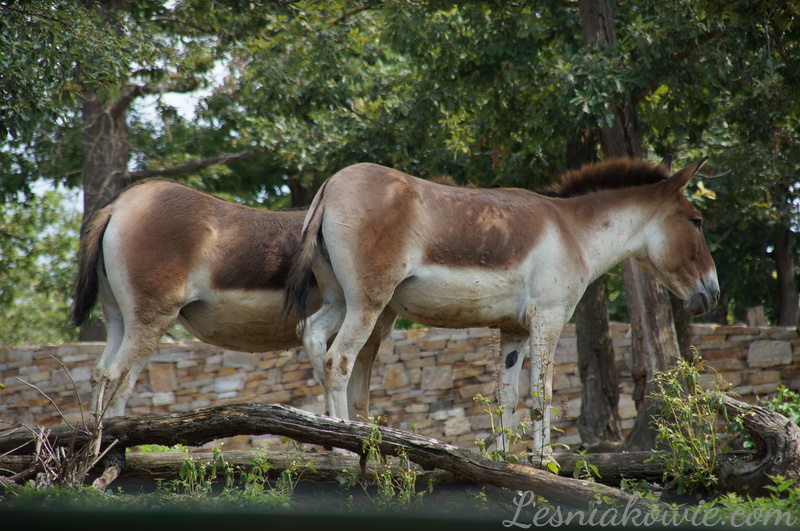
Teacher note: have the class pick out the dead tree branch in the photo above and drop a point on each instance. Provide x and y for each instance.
(777, 445)
(203, 425)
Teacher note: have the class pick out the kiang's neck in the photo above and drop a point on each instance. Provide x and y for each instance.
(610, 232)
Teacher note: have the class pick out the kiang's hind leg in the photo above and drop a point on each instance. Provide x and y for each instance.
(115, 331)
(140, 340)
(325, 322)
(364, 305)
(358, 388)
(136, 323)
(357, 327)
(515, 349)
(539, 345)
(318, 329)
(545, 331)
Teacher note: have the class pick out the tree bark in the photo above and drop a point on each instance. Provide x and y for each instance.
(322, 467)
(303, 188)
(195, 166)
(654, 338)
(683, 328)
(654, 347)
(325, 467)
(203, 425)
(599, 419)
(106, 144)
(777, 442)
(624, 137)
(106, 150)
(788, 310)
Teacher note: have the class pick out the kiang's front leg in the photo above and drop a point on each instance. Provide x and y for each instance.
(542, 342)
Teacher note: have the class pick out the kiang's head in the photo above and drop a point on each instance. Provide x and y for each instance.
(677, 253)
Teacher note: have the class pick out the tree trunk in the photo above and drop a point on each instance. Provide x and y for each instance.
(654, 347)
(654, 338)
(105, 167)
(322, 467)
(303, 188)
(599, 420)
(624, 137)
(783, 255)
(777, 451)
(106, 145)
(683, 328)
(719, 314)
(325, 467)
(106, 150)
(105, 155)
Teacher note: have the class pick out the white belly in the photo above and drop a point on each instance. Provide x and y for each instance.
(438, 296)
(249, 321)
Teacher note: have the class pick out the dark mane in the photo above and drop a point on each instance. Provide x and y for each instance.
(608, 175)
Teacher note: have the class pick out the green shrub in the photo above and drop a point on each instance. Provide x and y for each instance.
(786, 402)
(688, 424)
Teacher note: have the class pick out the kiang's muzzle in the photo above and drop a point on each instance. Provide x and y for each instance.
(705, 296)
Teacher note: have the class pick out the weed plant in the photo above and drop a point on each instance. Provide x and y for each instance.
(386, 490)
(688, 424)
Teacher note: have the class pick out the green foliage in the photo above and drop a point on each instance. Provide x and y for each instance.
(406, 324)
(487, 92)
(688, 424)
(55, 53)
(54, 49)
(38, 249)
(387, 490)
(28, 496)
(584, 469)
(196, 477)
(515, 435)
(159, 448)
(201, 485)
(786, 402)
(781, 508)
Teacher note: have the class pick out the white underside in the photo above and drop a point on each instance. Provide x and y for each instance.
(439, 296)
(240, 320)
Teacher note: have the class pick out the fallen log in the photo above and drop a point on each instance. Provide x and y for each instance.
(612, 468)
(319, 467)
(327, 466)
(197, 427)
(777, 450)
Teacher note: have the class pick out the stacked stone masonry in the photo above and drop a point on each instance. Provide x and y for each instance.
(424, 380)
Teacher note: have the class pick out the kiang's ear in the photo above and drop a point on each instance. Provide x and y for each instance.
(666, 163)
(680, 179)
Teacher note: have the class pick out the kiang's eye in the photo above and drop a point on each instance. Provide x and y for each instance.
(697, 222)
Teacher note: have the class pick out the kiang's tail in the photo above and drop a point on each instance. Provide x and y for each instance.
(298, 283)
(86, 287)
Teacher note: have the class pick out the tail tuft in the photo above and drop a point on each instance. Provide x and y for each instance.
(86, 287)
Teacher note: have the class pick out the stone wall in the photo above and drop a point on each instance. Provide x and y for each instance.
(424, 379)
